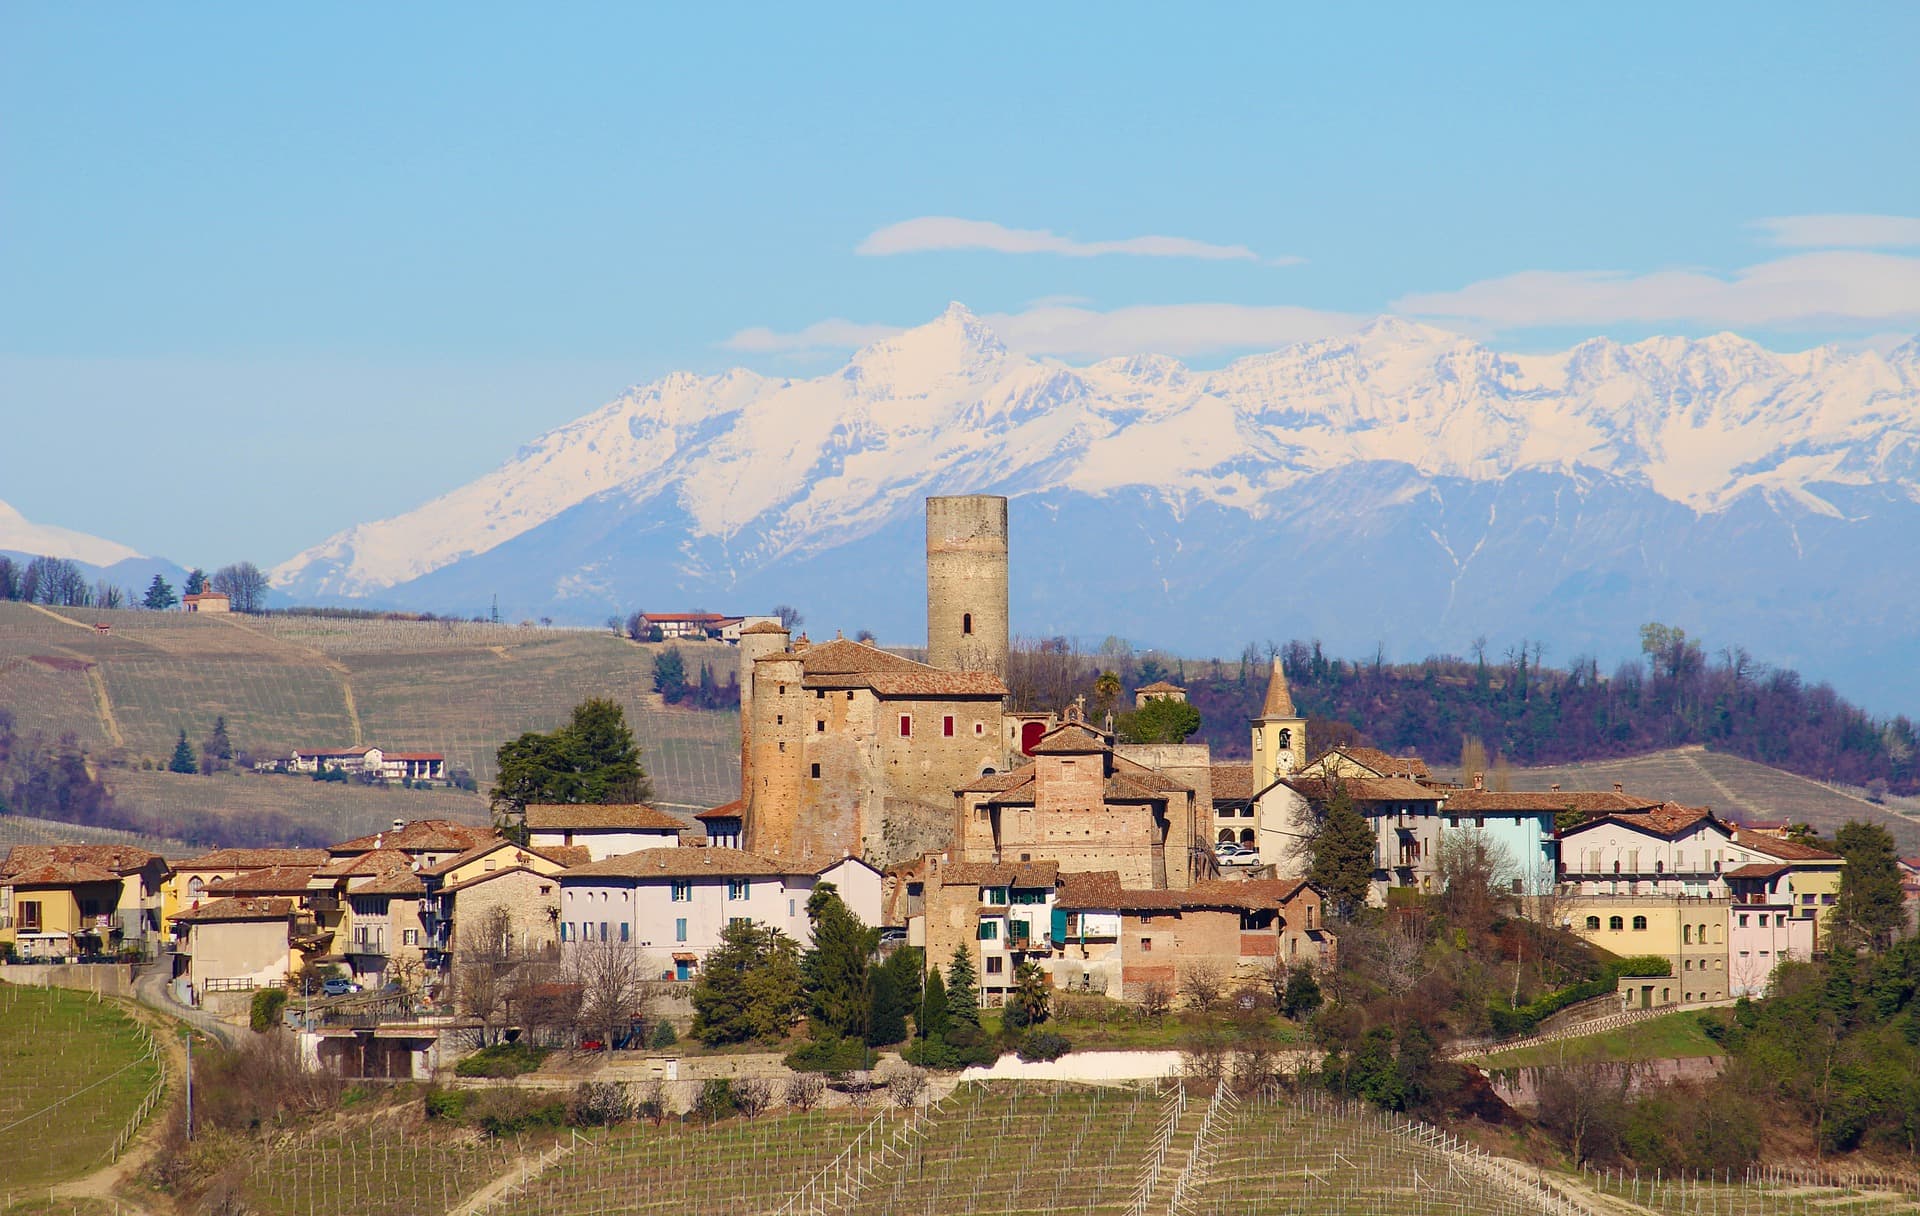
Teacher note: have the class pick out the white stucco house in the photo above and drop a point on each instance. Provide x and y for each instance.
(604, 831)
(671, 904)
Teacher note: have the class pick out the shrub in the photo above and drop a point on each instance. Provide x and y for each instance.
(829, 1055)
(508, 1112)
(267, 1006)
(501, 1060)
(1044, 1045)
(448, 1104)
(716, 1100)
(663, 1035)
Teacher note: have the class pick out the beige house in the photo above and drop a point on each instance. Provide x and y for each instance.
(58, 900)
(206, 601)
(466, 893)
(187, 886)
(235, 943)
(603, 830)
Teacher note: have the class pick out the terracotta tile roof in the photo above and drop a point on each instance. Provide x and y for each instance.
(420, 836)
(1547, 802)
(1252, 895)
(844, 664)
(1000, 874)
(994, 783)
(1233, 782)
(550, 817)
(1757, 870)
(269, 880)
(393, 882)
(560, 855)
(1385, 764)
(1279, 701)
(727, 810)
(1785, 850)
(373, 861)
(682, 863)
(1132, 787)
(1160, 686)
(332, 751)
(242, 908)
(1668, 819)
(1148, 776)
(1095, 890)
(254, 859)
(568, 855)
(61, 874)
(118, 858)
(1364, 789)
(1070, 739)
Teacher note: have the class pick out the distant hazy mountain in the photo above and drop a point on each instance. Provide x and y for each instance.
(1401, 485)
(23, 540)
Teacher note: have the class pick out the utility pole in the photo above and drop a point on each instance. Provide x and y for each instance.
(189, 1038)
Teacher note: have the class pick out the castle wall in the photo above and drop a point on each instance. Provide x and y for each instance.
(967, 628)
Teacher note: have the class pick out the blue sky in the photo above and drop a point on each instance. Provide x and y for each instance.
(336, 261)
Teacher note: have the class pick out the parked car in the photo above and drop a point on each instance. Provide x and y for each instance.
(1236, 854)
(339, 987)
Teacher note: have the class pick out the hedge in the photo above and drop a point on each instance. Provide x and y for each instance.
(1522, 1020)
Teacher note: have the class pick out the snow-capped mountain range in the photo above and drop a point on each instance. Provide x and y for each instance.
(1400, 484)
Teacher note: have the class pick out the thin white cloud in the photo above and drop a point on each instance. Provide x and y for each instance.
(1070, 332)
(945, 233)
(831, 334)
(1841, 231)
(1811, 290)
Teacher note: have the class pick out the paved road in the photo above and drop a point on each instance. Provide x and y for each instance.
(150, 989)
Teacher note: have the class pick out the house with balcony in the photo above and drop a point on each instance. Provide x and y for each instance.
(235, 944)
(999, 912)
(1403, 813)
(187, 886)
(1783, 896)
(1522, 825)
(505, 895)
(65, 900)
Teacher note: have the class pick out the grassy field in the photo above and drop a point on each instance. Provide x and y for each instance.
(460, 689)
(73, 1071)
(1730, 785)
(1676, 1036)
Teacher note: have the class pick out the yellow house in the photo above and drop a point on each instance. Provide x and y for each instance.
(187, 886)
(1813, 881)
(61, 900)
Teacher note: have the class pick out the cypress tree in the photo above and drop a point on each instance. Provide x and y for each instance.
(1342, 847)
(183, 761)
(839, 978)
(963, 989)
(933, 1007)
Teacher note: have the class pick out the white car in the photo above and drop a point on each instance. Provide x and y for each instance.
(1230, 854)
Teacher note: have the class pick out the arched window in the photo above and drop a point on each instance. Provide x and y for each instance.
(195, 886)
(1659, 867)
(1686, 935)
(1702, 939)
(1226, 836)
(1716, 935)
(1246, 836)
(966, 624)
(1639, 922)
(1615, 923)
(1593, 922)
(1616, 867)
(1286, 738)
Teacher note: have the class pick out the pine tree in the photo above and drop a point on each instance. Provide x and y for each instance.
(963, 988)
(1871, 905)
(839, 979)
(159, 596)
(183, 761)
(1342, 847)
(218, 745)
(933, 1007)
(670, 675)
(887, 1020)
(196, 581)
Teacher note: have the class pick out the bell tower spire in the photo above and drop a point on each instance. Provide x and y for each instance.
(1279, 733)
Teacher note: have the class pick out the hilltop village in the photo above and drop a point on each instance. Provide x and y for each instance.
(955, 823)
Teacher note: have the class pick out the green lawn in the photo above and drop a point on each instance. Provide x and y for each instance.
(1110, 1026)
(1675, 1036)
(72, 1072)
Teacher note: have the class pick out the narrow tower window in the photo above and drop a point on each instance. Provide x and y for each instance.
(966, 624)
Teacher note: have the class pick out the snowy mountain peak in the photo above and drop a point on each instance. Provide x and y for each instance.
(21, 535)
(769, 468)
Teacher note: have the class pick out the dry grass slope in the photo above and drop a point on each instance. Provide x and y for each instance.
(1697, 777)
(281, 682)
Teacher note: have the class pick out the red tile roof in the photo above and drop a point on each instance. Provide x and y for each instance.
(844, 664)
(682, 863)
(1785, 850)
(1385, 764)
(60, 874)
(1669, 819)
(1160, 686)
(490, 875)
(269, 880)
(373, 861)
(1233, 782)
(726, 810)
(579, 817)
(254, 859)
(1000, 874)
(1544, 802)
(117, 858)
(1364, 789)
(1757, 870)
(247, 908)
(393, 882)
(1252, 895)
(1070, 739)
(420, 836)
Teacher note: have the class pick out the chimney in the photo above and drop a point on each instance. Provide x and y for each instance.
(1479, 781)
(398, 824)
(1619, 788)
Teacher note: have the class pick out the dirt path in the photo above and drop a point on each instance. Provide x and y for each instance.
(110, 1183)
(523, 1170)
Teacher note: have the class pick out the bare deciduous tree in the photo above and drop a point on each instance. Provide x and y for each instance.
(752, 1096)
(1203, 984)
(1155, 999)
(613, 989)
(905, 1088)
(806, 1090)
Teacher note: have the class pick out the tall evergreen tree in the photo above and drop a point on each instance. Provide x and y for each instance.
(196, 581)
(932, 1023)
(670, 675)
(1342, 847)
(963, 988)
(218, 745)
(1871, 904)
(183, 761)
(160, 596)
(750, 987)
(838, 971)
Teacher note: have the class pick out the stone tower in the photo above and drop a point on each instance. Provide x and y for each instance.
(1279, 733)
(759, 640)
(967, 583)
